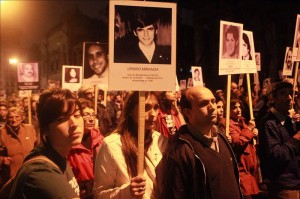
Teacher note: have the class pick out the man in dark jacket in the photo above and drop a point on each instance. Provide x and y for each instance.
(279, 142)
(199, 162)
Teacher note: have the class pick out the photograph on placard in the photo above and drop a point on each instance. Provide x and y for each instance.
(258, 61)
(248, 52)
(296, 44)
(190, 83)
(182, 84)
(288, 62)
(230, 48)
(28, 76)
(95, 63)
(142, 49)
(197, 76)
(71, 77)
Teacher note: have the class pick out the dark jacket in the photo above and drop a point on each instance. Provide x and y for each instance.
(279, 152)
(133, 54)
(183, 172)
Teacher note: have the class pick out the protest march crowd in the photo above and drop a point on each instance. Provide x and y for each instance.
(72, 149)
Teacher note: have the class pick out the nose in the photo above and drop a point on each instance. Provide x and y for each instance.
(146, 32)
(73, 123)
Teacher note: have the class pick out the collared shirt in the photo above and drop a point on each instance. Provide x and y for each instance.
(148, 51)
(211, 142)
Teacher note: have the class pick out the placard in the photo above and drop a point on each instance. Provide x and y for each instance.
(197, 76)
(288, 62)
(28, 76)
(142, 46)
(230, 48)
(71, 77)
(248, 53)
(296, 43)
(95, 64)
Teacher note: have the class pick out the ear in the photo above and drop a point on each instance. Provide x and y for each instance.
(134, 33)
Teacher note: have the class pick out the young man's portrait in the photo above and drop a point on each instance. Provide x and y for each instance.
(231, 42)
(95, 60)
(142, 35)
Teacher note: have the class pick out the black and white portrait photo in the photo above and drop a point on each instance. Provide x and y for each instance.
(142, 35)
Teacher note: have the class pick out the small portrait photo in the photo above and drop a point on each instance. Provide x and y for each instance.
(288, 62)
(142, 34)
(247, 47)
(28, 72)
(231, 41)
(95, 62)
(197, 76)
(182, 84)
(190, 82)
(257, 61)
(72, 75)
(296, 44)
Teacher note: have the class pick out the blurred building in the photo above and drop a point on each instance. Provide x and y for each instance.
(63, 45)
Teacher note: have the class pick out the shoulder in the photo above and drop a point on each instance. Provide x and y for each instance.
(111, 144)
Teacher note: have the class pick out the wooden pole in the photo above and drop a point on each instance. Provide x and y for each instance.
(29, 108)
(295, 83)
(228, 104)
(141, 133)
(96, 98)
(249, 96)
(250, 102)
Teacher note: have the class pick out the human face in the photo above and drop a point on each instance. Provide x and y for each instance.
(234, 88)
(34, 99)
(3, 111)
(203, 112)
(236, 111)
(145, 35)
(67, 132)
(170, 96)
(28, 70)
(97, 59)
(245, 49)
(231, 44)
(89, 118)
(282, 100)
(89, 94)
(14, 119)
(151, 111)
(220, 110)
(72, 73)
(289, 59)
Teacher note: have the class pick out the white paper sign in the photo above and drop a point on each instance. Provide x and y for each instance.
(230, 48)
(248, 53)
(197, 76)
(71, 77)
(142, 46)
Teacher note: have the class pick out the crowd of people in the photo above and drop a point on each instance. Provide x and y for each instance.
(79, 147)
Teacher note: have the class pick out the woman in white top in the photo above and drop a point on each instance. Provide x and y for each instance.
(116, 163)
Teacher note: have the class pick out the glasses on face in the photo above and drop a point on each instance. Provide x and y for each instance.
(88, 115)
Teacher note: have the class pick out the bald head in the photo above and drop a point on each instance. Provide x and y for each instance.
(198, 105)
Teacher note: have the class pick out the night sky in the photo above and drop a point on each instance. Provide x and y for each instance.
(35, 17)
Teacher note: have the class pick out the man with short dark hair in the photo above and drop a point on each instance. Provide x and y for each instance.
(199, 162)
(279, 145)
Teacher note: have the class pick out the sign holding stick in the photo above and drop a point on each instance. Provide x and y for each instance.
(228, 105)
(140, 64)
(141, 134)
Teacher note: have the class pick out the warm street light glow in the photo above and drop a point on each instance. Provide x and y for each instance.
(13, 61)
